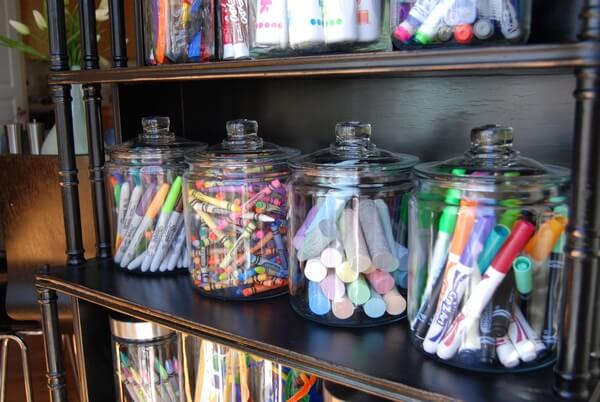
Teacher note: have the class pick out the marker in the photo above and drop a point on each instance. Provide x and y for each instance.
(177, 246)
(483, 29)
(492, 245)
(173, 226)
(427, 310)
(541, 244)
(136, 219)
(486, 339)
(520, 319)
(418, 13)
(523, 279)
(463, 34)
(502, 303)
(525, 347)
(429, 27)
(134, 200)
(146, 223)
(122, 209)
(161, 225)
(506, 352)
(483, 292)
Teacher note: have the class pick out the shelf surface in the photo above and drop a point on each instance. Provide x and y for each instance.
(376, 360)
(468, 59)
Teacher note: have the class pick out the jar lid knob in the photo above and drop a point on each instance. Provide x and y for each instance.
(242, 134)
(352, 132)
(492, 135)
(156, 124)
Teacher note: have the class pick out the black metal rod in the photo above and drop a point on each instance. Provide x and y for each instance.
(139, 32)
(581, 269)
(89, 45)
(59, 59)
(117, 31)
(57, 386)
(93, 110)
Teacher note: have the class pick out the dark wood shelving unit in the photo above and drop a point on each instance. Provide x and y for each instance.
(379, 361)
(508, 59)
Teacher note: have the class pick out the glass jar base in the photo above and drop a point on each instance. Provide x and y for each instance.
(495, 368)
(361, 321)
(230, 295)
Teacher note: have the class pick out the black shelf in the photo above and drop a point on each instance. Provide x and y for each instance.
(380, 361)
(431, 61)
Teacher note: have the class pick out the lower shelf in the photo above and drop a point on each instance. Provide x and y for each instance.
(380, 360)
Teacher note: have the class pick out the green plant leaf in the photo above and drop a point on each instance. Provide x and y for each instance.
(13, 44)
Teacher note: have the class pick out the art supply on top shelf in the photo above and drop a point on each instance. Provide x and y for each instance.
(235, 202)
(178, 31)
(146, 360)
(486, 255)
(420, 23)
(144, 188)
(348, 223)
(219, 373)
(271, 28)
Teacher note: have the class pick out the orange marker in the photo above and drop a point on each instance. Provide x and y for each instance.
(540, 245)
(161, 40)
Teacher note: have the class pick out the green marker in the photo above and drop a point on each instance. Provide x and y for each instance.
(493, 243)
(160, 228)
(513, 210)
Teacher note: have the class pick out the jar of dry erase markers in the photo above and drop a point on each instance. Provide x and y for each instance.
(486, 256)
(348, 228)
(429, 23)
(178, 31)
(144, 182)
(146, 359)
(235, 213)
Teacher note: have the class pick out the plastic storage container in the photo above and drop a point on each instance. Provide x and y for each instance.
(178, 31)
(422, 23)
(146, 360)
(235, 214)
(348, 218)
(144, 181)
(486, 255)
(271, 28)
(221, 374)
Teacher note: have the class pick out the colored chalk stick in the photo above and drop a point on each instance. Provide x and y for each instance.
(395, 302)
(375, 307)
(318, 303)
(342, 308)
(358, 291)
(333, 288)
(381, 281)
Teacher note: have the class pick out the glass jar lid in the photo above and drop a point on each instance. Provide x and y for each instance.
(241, 148)
(353, 154)
(136, 330)
(492, 157)
(156, 144)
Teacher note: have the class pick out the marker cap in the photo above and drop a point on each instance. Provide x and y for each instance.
(463, 34)
(523, 275)
(483, 29)
(402, 34)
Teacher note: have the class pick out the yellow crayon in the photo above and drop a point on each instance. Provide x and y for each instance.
(213, 201)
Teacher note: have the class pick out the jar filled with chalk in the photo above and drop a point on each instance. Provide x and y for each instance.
(144, 191)
(427, 23)
(348, 231)
(487, 234)
(235, 203)
(178, 31)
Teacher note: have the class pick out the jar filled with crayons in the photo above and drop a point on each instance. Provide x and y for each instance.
(146, 359)
(348, 229)
(144, 186)
(487, 234)
(178, 31)
(235, 214)
(280, 28)
(429, 23)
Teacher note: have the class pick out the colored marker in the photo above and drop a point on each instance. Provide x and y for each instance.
(177, 247)
(492, 245)
(134, 200)
(486, 339)
(502, 303)
(173, 226)
(122, 209)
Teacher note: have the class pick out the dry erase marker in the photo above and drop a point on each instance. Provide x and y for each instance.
(502, 304)
(483, 292)
(161, 225)
(418, 13)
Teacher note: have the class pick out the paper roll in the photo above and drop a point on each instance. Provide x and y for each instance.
(271, 23)
(340, 21)
(305, 19)
(369, 20)
(379, 249)
(354, 241)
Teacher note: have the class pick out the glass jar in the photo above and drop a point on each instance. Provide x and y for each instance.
(146, 359)
(143, 181)
(235, 214)
(222, 374)
(280, 28)
(348, 222)
(426, 23)
(486, 255)
(178, 31)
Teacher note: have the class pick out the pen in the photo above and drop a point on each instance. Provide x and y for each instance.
(160, 227)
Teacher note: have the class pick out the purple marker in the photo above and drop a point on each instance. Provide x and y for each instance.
(456, 281)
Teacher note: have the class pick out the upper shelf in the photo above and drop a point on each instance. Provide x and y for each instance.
(379, 360)
(504, 58)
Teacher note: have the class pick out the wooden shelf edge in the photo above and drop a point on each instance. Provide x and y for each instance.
(503, 58)
(341, 375)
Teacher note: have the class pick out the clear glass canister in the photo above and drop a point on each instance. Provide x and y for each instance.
(144, 182)
(424, 23)
(235, 213)
(219, 373)
(146, 360)
(178, 31)
(486, 256)
(348, 222)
